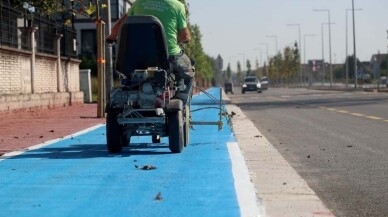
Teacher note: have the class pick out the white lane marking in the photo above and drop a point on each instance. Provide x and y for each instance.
(245, 190)
(34, 147)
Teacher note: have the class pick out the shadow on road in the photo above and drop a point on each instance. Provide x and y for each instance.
(86, 151)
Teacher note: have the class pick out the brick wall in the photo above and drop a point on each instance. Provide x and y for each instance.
(15, 81)
(45, 74)
(12, 77)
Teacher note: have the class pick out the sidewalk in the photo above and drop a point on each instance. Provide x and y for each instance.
(21, 129)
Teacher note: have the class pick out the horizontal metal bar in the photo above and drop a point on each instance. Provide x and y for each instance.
(152, 120)
(204, 123)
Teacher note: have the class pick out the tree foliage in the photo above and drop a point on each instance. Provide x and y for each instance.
(194, 49)
(42, 6)
(285, 66)
(204, 63)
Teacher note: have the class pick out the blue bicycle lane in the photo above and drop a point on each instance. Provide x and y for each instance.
(76, 176)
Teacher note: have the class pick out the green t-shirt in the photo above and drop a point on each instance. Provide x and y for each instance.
(171, 13)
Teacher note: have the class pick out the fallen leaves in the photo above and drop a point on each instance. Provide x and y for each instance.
(146, 167)
(158, 196)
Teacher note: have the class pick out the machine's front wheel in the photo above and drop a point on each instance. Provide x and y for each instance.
(114, 133)
(175, 131)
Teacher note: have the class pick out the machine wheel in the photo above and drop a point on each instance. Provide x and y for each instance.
(175, 131)
(155, 139)
(186, 126)
(114, 133)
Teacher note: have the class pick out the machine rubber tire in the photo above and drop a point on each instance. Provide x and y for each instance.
(186, 126)
(156, 139)
(114, 133)
(175, 131)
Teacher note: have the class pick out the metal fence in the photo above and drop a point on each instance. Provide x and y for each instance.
(15, 25)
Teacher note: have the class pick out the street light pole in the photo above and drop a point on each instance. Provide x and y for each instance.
(276, 52)
(330, 58)
(267, 52)
(354, 46)
(323, 56)
(304, 55)
(347, 54)
(300, 52)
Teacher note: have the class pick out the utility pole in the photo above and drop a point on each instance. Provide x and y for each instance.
(354, 47)
(108, 49)
(304, 57)
(276, 53)
(330, 57)
(300, 53)
(347, 43)
(101, 96)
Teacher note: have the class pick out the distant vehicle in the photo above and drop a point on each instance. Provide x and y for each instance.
(251, 83)
(264, 83)
(228, 87)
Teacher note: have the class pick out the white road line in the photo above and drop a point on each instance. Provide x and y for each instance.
(34, 147)
(245, 190)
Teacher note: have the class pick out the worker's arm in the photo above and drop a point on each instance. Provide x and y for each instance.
(184, 35)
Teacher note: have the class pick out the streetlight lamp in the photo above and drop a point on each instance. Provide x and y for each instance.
(276, 53)
(304, 54)
(323, 54)
(300, 52)
(267, 62)
(346, 58)
(329, 23)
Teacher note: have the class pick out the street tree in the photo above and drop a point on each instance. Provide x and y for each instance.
(248, 67)
(228, 73)
(239, 72)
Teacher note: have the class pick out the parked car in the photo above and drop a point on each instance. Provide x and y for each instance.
(251, 83)
(228, 87)
(264, 83)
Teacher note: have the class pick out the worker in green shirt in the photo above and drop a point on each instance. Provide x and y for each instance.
(172, 14)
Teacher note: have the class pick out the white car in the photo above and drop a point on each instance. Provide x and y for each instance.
(251, 83)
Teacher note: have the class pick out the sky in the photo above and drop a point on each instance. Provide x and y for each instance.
(242, 29)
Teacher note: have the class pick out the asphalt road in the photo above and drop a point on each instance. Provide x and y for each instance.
(337, 141)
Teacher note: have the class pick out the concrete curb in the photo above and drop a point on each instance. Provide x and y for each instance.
(279, 189)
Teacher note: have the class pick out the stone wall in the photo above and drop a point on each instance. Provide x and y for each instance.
(24, 88)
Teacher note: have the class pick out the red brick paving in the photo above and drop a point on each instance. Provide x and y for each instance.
(21, 129)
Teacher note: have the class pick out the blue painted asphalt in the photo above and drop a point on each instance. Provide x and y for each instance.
(78, 177)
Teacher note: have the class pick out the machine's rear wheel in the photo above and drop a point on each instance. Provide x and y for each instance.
(155, 139)
(175, 131)
(125, 140)
(114, 133)
(186, 127)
